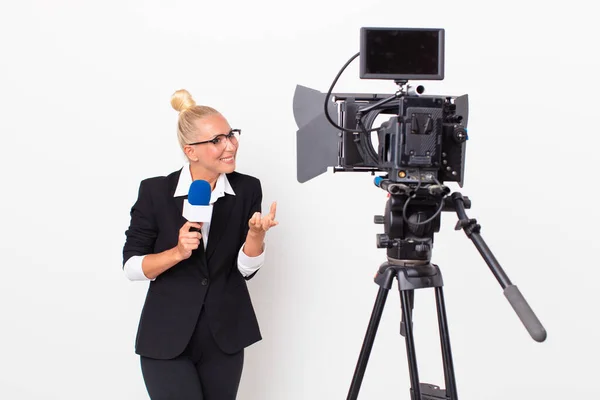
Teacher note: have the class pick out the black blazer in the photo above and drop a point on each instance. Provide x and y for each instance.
(208, 278)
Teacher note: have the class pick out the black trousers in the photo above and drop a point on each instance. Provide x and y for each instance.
(201, 372)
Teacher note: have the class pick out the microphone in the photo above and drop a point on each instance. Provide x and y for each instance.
(196, 207)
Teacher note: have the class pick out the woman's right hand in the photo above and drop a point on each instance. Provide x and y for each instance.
(188, 240)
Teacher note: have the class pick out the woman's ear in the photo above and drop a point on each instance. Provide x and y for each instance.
(190, 153)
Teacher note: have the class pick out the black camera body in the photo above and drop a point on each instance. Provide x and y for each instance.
(423, 140)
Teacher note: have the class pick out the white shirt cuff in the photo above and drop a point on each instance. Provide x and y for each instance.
(133, 269)
(248, 265)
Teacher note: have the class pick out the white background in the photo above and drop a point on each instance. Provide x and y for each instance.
(85, 115)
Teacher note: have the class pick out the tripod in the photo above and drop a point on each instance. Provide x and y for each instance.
(417, 273)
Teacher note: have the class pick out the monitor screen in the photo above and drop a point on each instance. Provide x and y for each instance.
(402, 53)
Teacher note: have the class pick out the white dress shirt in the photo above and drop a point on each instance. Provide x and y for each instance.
(246, 265)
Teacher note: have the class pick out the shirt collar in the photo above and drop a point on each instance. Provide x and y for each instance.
(222, 186)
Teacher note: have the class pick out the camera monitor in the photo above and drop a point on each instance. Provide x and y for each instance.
(402, 54)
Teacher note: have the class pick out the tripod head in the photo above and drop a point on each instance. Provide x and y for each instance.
(412, 217)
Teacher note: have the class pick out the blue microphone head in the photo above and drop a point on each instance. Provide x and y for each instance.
(199, 194)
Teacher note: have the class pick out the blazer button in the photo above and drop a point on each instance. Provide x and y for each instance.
(204, 282)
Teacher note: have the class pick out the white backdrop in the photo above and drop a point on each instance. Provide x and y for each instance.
(85, 115)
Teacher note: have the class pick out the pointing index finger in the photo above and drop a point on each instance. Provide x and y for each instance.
(273, 209)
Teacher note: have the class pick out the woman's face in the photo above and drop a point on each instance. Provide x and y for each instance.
(218, 157)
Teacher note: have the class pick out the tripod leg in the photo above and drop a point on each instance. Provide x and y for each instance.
(410, 344)
(411, 300)
(367, 345)
(445, 341)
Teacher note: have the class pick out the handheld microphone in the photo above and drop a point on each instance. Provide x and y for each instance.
(196, 207)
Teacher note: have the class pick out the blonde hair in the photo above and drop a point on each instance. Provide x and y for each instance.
(189, 112)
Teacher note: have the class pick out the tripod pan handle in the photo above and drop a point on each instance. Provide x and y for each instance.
(525, 313)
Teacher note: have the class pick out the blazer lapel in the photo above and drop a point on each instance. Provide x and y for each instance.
(178, 201)
(218, 224)
(179, 204)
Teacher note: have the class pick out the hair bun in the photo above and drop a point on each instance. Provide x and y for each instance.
(182, 100)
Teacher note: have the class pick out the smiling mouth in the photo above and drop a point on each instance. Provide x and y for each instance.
(227, 159)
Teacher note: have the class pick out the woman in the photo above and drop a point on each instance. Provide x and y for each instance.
(198, 317)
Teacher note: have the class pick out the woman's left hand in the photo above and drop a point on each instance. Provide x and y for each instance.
(261, 224)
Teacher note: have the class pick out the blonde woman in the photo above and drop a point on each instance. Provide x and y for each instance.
(198, 316)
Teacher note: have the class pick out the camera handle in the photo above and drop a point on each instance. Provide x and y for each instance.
(511, 292)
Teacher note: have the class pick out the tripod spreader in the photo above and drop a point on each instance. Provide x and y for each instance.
(511, 292)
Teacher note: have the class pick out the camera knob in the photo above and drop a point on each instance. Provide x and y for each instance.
(460, 135)
(383, 241)
(379, 219)
(422, 248)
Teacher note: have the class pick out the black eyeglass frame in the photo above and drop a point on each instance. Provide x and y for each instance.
(216, 139)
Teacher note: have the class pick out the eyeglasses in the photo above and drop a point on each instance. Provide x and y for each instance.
(221, 140)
